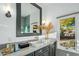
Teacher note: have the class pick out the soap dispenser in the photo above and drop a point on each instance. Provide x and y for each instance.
(10, 45)
(16, 47)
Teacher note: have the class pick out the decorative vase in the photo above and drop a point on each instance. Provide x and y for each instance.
(46, 36)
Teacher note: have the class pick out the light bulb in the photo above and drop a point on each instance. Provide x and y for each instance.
(46, 22)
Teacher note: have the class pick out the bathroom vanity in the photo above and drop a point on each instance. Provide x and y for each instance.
(38, 49)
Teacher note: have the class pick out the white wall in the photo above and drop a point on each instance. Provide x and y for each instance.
(50, 12)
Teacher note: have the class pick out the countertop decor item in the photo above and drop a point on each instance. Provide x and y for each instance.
(23, 45)
(47, 28)
(6, 51)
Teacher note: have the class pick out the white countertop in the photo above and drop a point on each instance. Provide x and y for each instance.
(30, 49)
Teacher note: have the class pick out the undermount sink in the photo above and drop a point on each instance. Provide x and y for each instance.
(39, 43)
(36, 43)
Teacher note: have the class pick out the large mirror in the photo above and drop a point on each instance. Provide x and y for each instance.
(29, 16)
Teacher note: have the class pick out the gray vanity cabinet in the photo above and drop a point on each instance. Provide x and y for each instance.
(49, 50)
(42, 52)
(31, 54)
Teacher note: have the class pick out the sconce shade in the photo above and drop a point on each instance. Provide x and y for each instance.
(8, 14)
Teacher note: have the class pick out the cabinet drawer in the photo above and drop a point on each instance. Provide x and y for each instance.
(42, 50)
(43, 54)
(31, 54)
(46, 53)
(45, 48)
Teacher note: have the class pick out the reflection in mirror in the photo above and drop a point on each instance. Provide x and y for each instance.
(25, 24)
(29, 19)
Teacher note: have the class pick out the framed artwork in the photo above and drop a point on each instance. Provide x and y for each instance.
(67, 32)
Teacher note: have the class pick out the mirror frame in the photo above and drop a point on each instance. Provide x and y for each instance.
(18, 21)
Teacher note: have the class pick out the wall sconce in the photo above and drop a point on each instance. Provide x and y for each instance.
(8, 14)
(8, 10)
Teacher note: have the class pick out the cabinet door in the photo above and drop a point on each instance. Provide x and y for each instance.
(46, 53)
(31, 54)
(42, 52)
